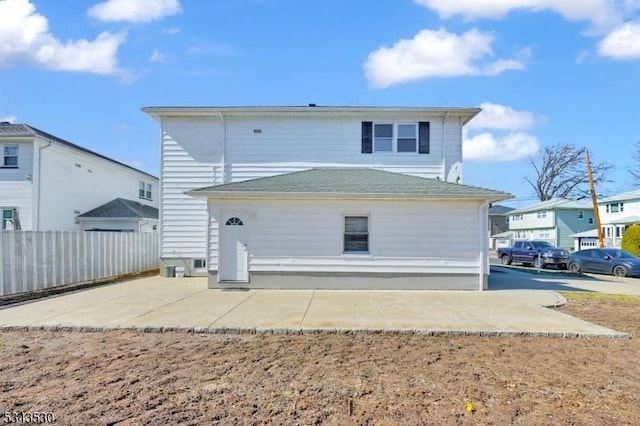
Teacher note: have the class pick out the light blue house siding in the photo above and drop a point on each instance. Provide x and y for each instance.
(569, 222)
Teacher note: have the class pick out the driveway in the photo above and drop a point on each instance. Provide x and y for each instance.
(515, 305)
(509, 278)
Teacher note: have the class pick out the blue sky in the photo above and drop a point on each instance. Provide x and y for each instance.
(544, 71)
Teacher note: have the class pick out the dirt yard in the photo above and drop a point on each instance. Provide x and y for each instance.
(131, 378)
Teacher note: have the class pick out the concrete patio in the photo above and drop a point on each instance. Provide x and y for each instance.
(186, 304)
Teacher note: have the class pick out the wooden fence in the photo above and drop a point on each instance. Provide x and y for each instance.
(31, 261)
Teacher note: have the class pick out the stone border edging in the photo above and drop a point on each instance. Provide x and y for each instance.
(314, 331)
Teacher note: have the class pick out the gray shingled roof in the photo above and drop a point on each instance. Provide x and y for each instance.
(24, 130)
(121, 208)
(499, 210)
(352, 181)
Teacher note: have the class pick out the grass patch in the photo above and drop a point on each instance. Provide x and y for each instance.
(569, 295)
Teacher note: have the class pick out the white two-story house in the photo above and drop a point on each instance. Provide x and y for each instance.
(616, 213)
(554, 220)
(46, 183)
(321, 197)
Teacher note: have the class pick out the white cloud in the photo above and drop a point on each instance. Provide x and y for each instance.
(157, 56)
(510, 144)
(601, 13)
(8, 118)
(489, 147)
(495, 116)
(623, 43)
(134, 10)
(25, 36)
(435, 54)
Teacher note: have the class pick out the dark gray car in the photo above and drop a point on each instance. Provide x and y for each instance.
(605, 261)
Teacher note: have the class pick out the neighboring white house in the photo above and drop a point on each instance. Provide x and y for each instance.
(120, 215)
(554, 220)
(46, 182)
(616, 213)
(321, 197)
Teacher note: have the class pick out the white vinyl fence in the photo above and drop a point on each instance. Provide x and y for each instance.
(32, 261)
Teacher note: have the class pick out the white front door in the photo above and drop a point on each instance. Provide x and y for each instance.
(233, 249)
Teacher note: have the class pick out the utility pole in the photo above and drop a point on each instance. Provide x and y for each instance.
(596, 212)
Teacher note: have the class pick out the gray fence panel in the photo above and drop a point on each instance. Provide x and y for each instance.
(39, 260)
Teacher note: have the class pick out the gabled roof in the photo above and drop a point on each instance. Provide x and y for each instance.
(466, 114)
(499, 210)
(24, 130)
(341, 182)
(625, 196)
(556, 204)
(121, 208)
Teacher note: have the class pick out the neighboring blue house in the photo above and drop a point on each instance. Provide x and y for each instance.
(555, 220)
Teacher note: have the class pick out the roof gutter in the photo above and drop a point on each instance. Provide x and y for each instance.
(241, 195)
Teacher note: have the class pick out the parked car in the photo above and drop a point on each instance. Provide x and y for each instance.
(605, 261)
(537, 253)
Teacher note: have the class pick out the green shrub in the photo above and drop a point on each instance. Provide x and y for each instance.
(631, 239)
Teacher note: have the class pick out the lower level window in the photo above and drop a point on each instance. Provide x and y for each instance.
(7, 219)
(356, 234)
(199, 263)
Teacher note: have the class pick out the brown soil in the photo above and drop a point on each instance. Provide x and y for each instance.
(126, 377)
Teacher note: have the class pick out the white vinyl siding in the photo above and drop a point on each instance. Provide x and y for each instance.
(289, 145)
(194, 156)
(191, 156)
(18, 195)
(24, 158)
(73, 182)
(403, 236)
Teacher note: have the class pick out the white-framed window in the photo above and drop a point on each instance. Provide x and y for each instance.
(545, 235)
(144, 190)
(520, 235)
(10, 156)
(7, 218)
(407, 138)
(541, 214)
(383, 138)
(395, 137)
(356, 234)
(517, 217)
(615, 207)
(199, 263)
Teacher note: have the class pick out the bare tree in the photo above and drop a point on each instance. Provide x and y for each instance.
(635, 171)
(560, 171)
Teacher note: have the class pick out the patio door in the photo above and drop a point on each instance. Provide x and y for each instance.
(234, 259)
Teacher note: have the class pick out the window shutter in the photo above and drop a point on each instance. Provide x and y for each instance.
(423, 137)
(367, 137)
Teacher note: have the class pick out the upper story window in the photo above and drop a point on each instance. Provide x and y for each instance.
(395, 137)
(144, 191)
(541, 214)
(615, 207)
(10, 156)
(516, 217)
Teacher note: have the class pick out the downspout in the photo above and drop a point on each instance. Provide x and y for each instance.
(483, 246)
(38, 186)
(444, 146)
(224, 149)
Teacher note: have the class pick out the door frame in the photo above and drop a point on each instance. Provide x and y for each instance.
(224, 256)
